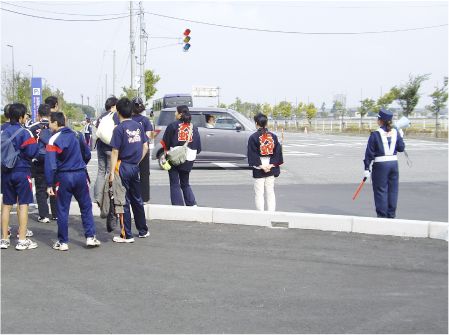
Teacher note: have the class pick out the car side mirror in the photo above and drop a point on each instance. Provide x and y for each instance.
(238, 126)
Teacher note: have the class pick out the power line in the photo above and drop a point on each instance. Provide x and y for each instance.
(295, 32)
(61, 13)
(234, 27)
(67, 20)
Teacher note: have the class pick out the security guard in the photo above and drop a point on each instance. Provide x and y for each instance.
(383, 146)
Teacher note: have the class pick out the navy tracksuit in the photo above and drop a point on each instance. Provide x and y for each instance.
(129, 138)
(382, 148)
(16, 184)
(175, 135)
(42, 134)
(65, 167)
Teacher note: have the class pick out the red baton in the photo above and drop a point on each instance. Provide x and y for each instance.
(359, 189)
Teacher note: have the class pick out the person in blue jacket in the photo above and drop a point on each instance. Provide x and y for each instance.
(383, 146)
(144, 166)
(265, 157)
(6, 114)
(176, 134)
(42, 133)
(16, 183)
(129, 145)
(65, 167)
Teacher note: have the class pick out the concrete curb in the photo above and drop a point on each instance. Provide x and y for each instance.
(349, 224)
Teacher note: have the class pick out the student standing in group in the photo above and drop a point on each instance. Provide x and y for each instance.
(16, 182)
(176, 134)
(88, 132)
(52, 101)
(265, 157)
(383, 146)
(42, 133)
(65, 167)
(129, 146)
(104, 158)
(6, 114)
(144, 166)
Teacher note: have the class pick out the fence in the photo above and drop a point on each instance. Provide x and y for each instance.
(420, 125)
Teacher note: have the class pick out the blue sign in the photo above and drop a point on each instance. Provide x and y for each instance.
(36, 96)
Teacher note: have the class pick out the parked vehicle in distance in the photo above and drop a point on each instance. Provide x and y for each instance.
(226, 142)
(172, 100)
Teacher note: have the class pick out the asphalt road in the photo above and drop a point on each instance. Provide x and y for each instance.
(209, 278)
(320, 175)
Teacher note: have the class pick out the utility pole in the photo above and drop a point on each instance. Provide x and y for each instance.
(113, 73)
(106, 86)
(131, 43)
(82, 100)
(88, 101)
(13, 75)
(142, 53)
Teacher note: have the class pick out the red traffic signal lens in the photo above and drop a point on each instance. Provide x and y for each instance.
(187, 32)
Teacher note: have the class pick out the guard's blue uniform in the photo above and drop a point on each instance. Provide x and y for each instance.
(65, 167)
(128, 138)
(382, 148)
(264, 145)
(16, 184)
(5, 125)
(175, 135)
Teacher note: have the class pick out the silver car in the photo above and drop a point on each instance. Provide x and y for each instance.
(227, 141)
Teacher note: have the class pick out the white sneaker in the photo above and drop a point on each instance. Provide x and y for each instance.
(120, 239)
(43, 220)
(60, 246)
(26, 244)
(28, 234)
(4, 244)
(145, 235)
(92, 242)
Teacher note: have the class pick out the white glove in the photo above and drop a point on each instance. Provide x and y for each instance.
(367, 174)
(401, 132)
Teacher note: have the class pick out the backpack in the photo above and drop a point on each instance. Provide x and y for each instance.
(9, 153)
(105, 128)
(178, 155)
(44, 137)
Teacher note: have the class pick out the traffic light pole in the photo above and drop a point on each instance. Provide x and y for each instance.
(142, 54)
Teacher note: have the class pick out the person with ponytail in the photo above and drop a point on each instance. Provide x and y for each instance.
(176, 134)
(383, 146)
(265, 157)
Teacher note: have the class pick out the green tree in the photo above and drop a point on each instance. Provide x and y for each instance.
(439, 101)
(339, 110)
(128, 92)
(366, 106)
(237, 105)
(267, 109)
(300, 110)
(151, 79)
(22, 88)
(310, 112)
(222, 105)
(285, 109)
(408, 94)
(323, 110)
(387, 99)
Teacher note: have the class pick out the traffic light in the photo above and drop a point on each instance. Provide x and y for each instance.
(186, 40)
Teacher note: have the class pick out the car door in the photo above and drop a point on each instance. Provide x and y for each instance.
(226, 141)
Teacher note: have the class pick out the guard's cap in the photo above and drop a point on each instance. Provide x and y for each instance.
(385, 115)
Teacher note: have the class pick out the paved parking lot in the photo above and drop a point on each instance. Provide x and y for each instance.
(210, 278)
